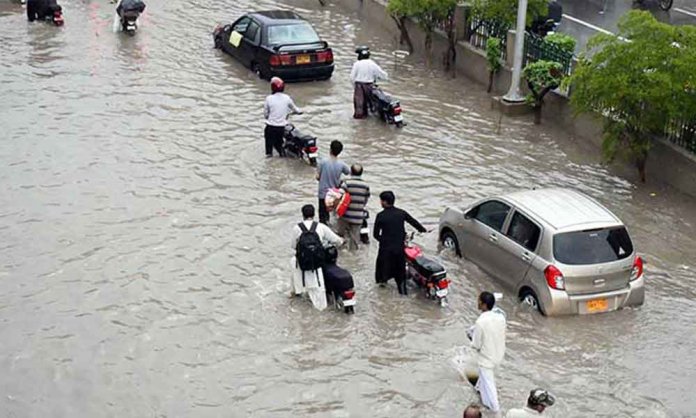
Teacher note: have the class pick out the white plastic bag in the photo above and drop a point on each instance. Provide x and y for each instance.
(464, 361)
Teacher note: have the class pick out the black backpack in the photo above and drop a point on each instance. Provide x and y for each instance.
(309, 252)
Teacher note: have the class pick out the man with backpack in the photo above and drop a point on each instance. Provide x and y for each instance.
(309, 240)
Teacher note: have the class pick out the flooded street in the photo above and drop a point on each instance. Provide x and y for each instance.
(146, 240)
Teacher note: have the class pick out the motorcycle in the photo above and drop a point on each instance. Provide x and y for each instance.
(129, 11)
(388, 108)
(49, 11)
(57, 16)
(426, 272)
(339, 283)
(299, 145)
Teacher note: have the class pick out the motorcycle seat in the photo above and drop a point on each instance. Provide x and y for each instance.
(381, 96)
(428, 267)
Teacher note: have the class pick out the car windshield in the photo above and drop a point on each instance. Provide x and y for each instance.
(592, 246)
(301, 33)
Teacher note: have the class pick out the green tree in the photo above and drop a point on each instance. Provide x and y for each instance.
(641, 81)
(504, 12)
(561, 41)
(493, 52)
(542, 77)
(429, 14)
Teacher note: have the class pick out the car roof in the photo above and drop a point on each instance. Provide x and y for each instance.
(275, 17)
(563, 208)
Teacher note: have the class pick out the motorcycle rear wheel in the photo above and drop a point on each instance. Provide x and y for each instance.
(349, 310)
(313, 162)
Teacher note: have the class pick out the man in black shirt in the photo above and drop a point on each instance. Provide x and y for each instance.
(390, 232)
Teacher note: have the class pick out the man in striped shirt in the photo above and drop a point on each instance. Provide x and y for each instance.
(349, 225)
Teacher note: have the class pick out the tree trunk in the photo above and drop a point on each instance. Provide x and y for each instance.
(404, 37)
(451, 54)
(641, 161)
(428, 47)
(491, 74)
(537, 113)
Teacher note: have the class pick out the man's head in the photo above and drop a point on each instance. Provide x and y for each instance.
(387, 199)
(486, 301)
(539, 399)
(356, 170)
(472, 411)
(308, 211)
(336, 148)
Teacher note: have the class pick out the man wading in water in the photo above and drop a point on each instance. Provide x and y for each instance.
(389, 231)
(364, 74)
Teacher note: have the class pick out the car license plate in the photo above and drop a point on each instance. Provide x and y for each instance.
(442, 293)
(312, 155)
(349, 302)
(398, 118)
(597, 305)
(302, 59)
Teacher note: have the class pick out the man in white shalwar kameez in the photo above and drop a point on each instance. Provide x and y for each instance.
(488, 341)
(313, 283)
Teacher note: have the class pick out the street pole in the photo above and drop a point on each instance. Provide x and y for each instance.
(514, 95)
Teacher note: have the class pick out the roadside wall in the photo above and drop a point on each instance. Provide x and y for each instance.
(667, 163)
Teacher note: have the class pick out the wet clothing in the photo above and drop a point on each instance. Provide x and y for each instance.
(363, 75)
(130, 5)
(488, 340)
(389, 231)
(312, 282)
(359, 194)
(350, 232)
(273, 136)
(525, 412)
(329, 172)
(277, 107)
(40, 9)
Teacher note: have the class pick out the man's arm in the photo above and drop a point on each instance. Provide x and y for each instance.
(377, 229)
(379, 73)
(477, 339)
(330, 236)
(414, 223)
(296, 232)
(319, 165)
(353, 73)
(294, 108)
(266, 109)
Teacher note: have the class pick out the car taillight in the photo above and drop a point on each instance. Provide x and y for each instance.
(349, 294)
(325, 56)
(279, 59)
(443, 284)
(554, 278)
(397, 110)
(637, 271)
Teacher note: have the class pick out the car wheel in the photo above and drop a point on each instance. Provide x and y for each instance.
(529, 298)
(256, 68)
(450, 242)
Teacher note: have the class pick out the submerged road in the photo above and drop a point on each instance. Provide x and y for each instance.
(144, 259)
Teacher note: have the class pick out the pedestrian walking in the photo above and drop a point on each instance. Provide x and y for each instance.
(309, 240)
(351, 222)
(329, 172)
(488, 341)
(389, 231)
(276, 109)
(539, 399)
(363, 75)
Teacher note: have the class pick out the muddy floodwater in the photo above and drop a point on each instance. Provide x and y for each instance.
(144, 238)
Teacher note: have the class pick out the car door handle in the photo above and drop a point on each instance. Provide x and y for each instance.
(526, 257)
(493, 238)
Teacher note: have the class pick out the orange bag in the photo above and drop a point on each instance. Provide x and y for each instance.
(343, 204)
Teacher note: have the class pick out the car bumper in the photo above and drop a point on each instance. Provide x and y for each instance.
(306, 73)
(558, 302)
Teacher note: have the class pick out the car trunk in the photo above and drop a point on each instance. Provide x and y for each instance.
(597, 278)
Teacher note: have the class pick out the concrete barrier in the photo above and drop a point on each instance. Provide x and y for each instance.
(667, 163)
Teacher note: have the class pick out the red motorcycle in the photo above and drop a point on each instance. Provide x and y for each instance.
(427, 272)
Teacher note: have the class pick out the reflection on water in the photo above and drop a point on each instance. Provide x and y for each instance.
(145, 239)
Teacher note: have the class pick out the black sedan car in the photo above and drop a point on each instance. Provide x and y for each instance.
(277, 43)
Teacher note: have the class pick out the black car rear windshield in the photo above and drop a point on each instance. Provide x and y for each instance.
(300, 33)
(592, 246)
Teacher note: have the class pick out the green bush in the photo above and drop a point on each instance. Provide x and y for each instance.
(561, 40)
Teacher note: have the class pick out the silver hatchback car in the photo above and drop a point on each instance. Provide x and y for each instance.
(559, 250)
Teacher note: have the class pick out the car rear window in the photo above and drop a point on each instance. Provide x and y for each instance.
(592, 246)
(301, 33)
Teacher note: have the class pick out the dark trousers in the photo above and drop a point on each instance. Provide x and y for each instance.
(391, 263)
(361, 100)
(274, 139)
(323, 213)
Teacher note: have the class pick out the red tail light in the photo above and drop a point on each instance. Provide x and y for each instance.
(443, 284)
(554, 278)
(279, 59)
(325, 56)
(637, 271)
(397, 110)
(349, 294)
(313, 149)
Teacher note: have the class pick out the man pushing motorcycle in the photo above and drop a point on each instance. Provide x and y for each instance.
(364, 74)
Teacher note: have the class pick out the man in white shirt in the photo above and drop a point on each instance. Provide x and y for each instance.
(538, 401)
(364, 74)
(488, 341)
(311, 281)
(276, 109)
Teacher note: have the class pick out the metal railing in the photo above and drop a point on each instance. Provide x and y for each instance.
(480, 31)
(537, 49)
(682, 134)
